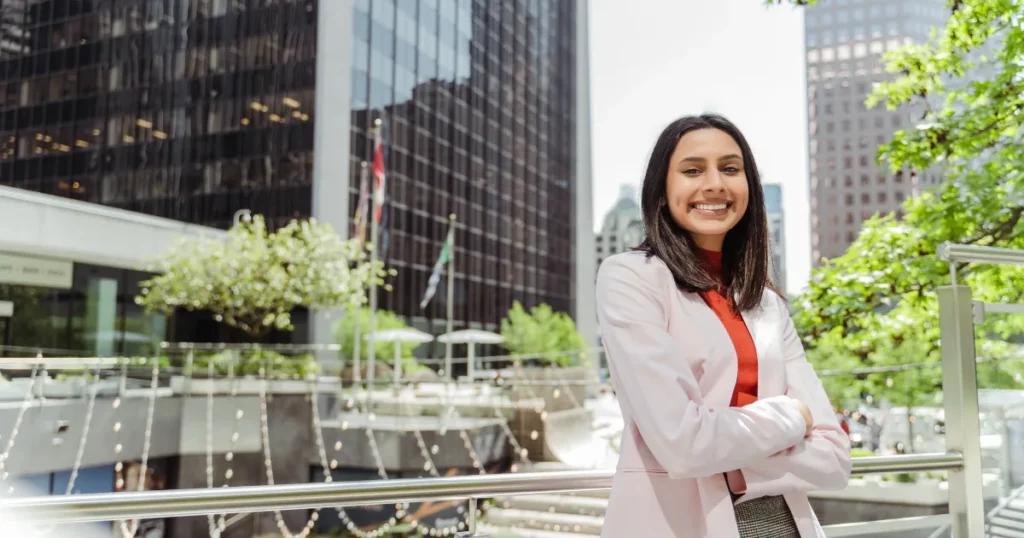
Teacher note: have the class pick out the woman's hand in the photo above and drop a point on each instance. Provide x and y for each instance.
(808, 418)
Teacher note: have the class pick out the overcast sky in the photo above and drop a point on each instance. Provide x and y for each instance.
(655, 60)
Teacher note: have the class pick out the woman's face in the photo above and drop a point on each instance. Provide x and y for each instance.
(706, 188)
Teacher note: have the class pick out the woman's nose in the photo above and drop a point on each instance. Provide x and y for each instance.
(713, 181)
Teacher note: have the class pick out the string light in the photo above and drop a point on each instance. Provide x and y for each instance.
(428, 462)
(25, 402)
(268, 464)
(128, 529)
(217, 524)
(473, 456)
(90, 407)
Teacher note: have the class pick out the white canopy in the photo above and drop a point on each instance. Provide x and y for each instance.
(406, 335)
(470, 336)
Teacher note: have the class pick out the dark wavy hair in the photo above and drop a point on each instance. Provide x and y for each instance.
(745, 250)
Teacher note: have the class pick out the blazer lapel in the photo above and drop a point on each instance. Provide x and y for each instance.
(761, 324)
(717, 354)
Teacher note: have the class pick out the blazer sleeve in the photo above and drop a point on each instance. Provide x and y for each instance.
(655, 383)
(819, 461)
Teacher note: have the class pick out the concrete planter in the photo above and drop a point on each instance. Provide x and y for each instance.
(871, 498)
(561, 388)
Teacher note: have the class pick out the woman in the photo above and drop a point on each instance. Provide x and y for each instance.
(727, 425)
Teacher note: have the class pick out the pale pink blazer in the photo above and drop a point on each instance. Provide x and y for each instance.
(673, 367)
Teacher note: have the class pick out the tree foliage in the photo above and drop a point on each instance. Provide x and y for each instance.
(550, 335)
(345, 335)
(255, 278)
(876, 306)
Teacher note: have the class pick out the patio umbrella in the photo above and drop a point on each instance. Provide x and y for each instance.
(406, 335)
(471, 337)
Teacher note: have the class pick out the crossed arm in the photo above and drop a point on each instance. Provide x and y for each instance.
(767, 440)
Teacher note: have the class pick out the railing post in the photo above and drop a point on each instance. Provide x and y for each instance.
(470, 531)
(960, 397)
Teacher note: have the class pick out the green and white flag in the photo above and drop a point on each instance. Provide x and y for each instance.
(442, 259)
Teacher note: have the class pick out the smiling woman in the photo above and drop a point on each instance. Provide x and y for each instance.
(706, 160)
(706, 187)
(727, 426)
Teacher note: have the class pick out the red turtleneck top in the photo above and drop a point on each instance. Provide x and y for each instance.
(746, 378)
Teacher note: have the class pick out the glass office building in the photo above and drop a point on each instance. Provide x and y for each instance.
(477, 98)
(194, 109)
(186, 110)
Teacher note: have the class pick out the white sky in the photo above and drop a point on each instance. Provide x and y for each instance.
(655, 60)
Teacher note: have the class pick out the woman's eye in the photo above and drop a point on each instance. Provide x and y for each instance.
(731, 170)
(692, 172)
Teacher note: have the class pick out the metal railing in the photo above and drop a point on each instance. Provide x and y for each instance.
(197, 502)
(958, 314)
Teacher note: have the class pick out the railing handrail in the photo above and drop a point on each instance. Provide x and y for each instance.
(955, 252)
(203, 501)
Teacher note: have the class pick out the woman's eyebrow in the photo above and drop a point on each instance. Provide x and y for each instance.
(695, 159)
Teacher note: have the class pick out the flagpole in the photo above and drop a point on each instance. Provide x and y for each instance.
(357, 375)
(372, 351)
(451, 300)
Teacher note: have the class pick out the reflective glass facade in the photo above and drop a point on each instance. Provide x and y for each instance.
(193, 109)
(95, 316)
(478, 101)
(177, 108)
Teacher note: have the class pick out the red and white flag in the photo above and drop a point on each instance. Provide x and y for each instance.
(378, 177)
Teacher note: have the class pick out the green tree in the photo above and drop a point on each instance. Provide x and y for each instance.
(543, 332)
(345, 336)
(875, 306)
(253, 279)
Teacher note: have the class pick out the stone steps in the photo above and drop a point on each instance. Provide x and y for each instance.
(545, 521)
(494, 531)
(562, 504)
(1007, 521)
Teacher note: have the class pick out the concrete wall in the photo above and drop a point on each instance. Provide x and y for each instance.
(55, 227)
(585, 312)
(289, 425)
(331, 135)
(51, 430)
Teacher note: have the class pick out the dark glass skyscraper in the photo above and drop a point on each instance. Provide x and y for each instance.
(194, 109)
(187, 110)
(477, 98)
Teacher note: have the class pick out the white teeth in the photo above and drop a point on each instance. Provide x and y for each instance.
(710, 207)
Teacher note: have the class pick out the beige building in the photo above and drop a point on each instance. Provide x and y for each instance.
(844, 42)
(623, 225)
